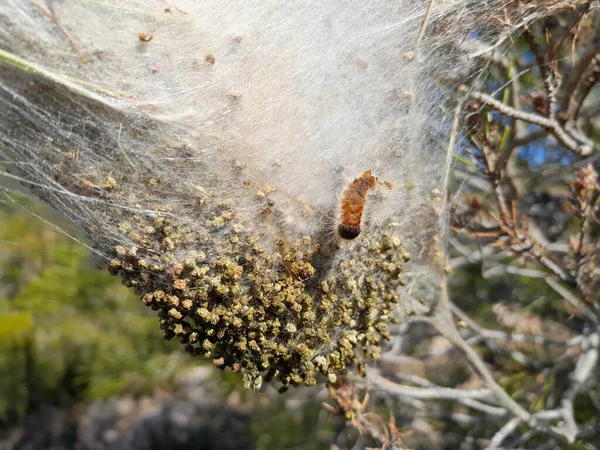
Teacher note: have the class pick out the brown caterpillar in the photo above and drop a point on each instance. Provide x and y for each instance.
(353, 203)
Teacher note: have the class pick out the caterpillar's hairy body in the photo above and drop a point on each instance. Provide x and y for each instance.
(353, 203)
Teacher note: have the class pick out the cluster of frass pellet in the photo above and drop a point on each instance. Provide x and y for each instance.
(270, 315)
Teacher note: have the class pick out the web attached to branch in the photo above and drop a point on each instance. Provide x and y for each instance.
(203, 150)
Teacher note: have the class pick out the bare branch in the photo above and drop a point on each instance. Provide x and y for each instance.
(443, 322)
(583, 370)
(512, 337)
(572, 298)
(552, 125)
(504, 432)
(429, 393)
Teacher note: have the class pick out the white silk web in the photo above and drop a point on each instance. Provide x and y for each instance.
(251, 117)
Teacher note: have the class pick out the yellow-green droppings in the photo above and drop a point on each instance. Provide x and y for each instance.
(269, 314)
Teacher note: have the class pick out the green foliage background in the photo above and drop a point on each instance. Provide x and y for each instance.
(68, 331)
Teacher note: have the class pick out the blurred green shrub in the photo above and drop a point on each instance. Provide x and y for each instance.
(69, 332)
